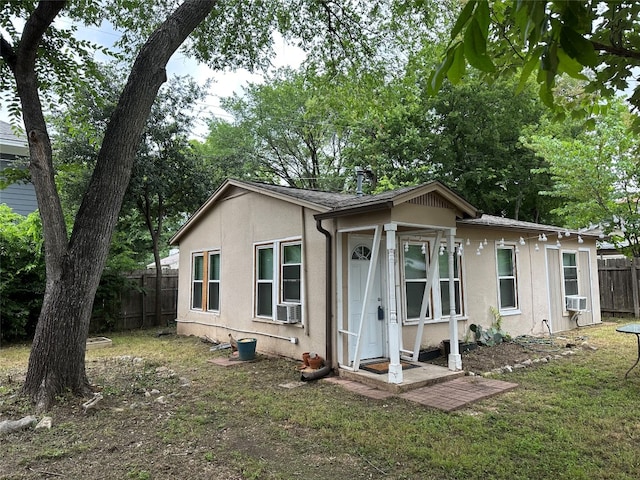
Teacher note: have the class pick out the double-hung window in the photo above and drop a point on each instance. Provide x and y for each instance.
(443, 268)
(264, 281)
(213, 300)
(205, 281)
(197, 278)
(278, 276)
(570, 273)
(415, 279)
(291, 279)
(507, 278)
(416, 263)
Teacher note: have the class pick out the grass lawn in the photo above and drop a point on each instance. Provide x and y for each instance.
(167, 413)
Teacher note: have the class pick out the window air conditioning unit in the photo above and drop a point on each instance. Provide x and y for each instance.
(289, 312)
(575, 303)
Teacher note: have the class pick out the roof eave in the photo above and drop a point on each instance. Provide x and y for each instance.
(175, 239)
(356, 210)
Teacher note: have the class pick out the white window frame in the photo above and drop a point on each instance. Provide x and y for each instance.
(434, 313)
(277, 280)
(195, 281)
(514, 256)
(282, 266)
(459, 281)
(217, 281)
(564, 279)
(259, 281)
(416, 243)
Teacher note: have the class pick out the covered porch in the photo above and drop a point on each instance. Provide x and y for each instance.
(420, 375)
(372, 308)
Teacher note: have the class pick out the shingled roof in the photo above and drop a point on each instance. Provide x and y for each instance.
(330, 204)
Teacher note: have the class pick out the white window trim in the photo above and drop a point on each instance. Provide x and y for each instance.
(436, 313)
(219, 281)
(445, 316)
(562, 267)
(277, 246)
(516, 267)
(193, 281)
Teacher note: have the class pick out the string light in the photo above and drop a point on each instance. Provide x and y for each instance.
(536, 248)
(406, 246)
(521, 241)
(580, 240)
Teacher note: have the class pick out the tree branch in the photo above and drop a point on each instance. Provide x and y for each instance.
(37, 24)
(115, 160)
(617, 51)
(8, 53)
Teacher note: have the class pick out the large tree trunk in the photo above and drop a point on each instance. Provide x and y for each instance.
(74, 266)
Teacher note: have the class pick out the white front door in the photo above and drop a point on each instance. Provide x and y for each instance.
(372, 342)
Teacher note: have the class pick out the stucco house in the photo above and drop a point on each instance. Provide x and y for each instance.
(363, 277)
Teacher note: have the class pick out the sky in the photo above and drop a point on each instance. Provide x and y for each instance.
(224, 83)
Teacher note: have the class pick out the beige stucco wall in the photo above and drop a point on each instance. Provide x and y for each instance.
(234, 226)
(481, 286)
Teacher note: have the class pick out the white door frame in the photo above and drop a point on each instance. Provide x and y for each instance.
(374, 276)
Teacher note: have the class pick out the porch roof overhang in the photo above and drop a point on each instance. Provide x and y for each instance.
(393, 198)
(502, 223)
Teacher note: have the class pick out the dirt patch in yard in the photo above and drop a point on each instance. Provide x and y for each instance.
(168, 413)
(519, 351)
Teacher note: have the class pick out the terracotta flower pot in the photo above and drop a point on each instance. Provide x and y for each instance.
(316, 362)
(305, 358)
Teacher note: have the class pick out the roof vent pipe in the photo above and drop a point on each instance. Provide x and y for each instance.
(359, 179)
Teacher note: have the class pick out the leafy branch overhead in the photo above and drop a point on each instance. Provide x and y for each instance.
(597, 42)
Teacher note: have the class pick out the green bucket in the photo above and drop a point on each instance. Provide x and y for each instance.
(247, 348)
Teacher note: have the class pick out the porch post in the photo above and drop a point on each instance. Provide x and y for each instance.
(395, 369)
(455, 360)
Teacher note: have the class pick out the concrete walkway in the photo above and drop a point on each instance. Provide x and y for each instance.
(446, 396)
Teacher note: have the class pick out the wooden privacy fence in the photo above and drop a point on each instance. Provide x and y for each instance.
(138, 305)
(618, 287)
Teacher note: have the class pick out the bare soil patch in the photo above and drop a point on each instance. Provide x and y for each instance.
(486, 359)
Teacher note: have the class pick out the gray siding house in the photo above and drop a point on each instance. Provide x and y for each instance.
(20, 197)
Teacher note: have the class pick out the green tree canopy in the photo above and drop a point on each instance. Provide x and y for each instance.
(596, 176)
(596, 42)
